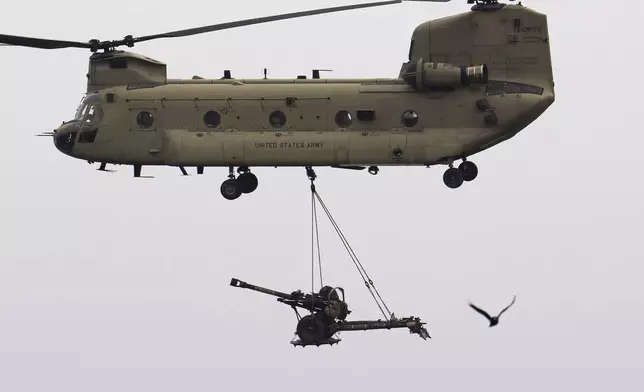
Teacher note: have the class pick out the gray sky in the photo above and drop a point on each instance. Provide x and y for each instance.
(110, 283)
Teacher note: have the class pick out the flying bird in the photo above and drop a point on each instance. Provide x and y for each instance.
(493, 320)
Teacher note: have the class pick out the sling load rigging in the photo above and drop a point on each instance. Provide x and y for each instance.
(328, 308)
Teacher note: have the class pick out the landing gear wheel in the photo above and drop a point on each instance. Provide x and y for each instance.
(247, 182)
(230, 189)
(469, 170)
(453, 178)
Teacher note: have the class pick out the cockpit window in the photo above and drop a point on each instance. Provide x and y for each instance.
(80, 112)
(94, 114)
(85, 104)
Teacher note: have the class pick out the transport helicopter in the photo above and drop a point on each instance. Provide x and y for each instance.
(472, 80)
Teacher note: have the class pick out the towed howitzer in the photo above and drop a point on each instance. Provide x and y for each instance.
(328, 315)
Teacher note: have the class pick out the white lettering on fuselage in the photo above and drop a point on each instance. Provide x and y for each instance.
(289, 145)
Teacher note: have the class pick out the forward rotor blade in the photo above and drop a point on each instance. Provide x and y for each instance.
(14, 40)
(265, 19)
(41, 43)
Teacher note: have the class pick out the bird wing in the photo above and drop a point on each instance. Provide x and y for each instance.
(507, 307)
(481, 311)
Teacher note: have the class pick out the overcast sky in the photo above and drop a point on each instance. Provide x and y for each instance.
(110, 283)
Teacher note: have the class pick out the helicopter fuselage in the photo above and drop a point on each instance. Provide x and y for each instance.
(299, 122)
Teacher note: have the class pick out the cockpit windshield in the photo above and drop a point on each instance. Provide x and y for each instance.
(94, 114)
(80, 110)
(89, 109)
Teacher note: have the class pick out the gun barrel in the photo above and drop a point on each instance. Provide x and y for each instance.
(244, 285)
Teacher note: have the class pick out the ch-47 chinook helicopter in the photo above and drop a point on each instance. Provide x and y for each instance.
(472, 80)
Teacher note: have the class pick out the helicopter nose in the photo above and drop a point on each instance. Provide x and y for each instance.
(65, 137)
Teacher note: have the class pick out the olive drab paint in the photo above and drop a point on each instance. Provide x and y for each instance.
(471, 81)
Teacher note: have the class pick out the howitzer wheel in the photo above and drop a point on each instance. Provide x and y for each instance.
(311, 329)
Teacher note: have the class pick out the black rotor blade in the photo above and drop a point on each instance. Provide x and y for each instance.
(265, 19)
(41, 43)
(14, 40)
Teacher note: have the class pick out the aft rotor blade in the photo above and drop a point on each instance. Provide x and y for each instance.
(14, 40)
(265, 19)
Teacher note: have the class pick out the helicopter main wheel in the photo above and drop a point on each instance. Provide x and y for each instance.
(469, 170)
(453, 178)
(230, 189)
(247, 182)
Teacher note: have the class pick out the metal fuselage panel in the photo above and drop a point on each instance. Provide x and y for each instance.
(513, 41)
(448, 124)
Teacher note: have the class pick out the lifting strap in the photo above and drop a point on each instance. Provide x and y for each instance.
(315, 237)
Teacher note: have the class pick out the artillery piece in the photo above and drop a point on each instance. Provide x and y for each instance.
(329, 311)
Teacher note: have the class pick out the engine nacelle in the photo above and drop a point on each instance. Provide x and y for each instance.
(426, 75)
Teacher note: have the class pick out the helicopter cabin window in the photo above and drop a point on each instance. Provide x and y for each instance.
(366, 114)
(212, 119)
(343, 119)
(409, 118)
(145, 119)
(277, 119)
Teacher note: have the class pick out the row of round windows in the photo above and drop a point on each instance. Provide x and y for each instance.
(277, 119)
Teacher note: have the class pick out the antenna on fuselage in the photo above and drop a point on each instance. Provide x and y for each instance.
(316, 72)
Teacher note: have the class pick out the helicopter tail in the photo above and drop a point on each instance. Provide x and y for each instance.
(512, 40)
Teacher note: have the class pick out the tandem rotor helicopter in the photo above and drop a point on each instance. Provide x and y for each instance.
(471, 81)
